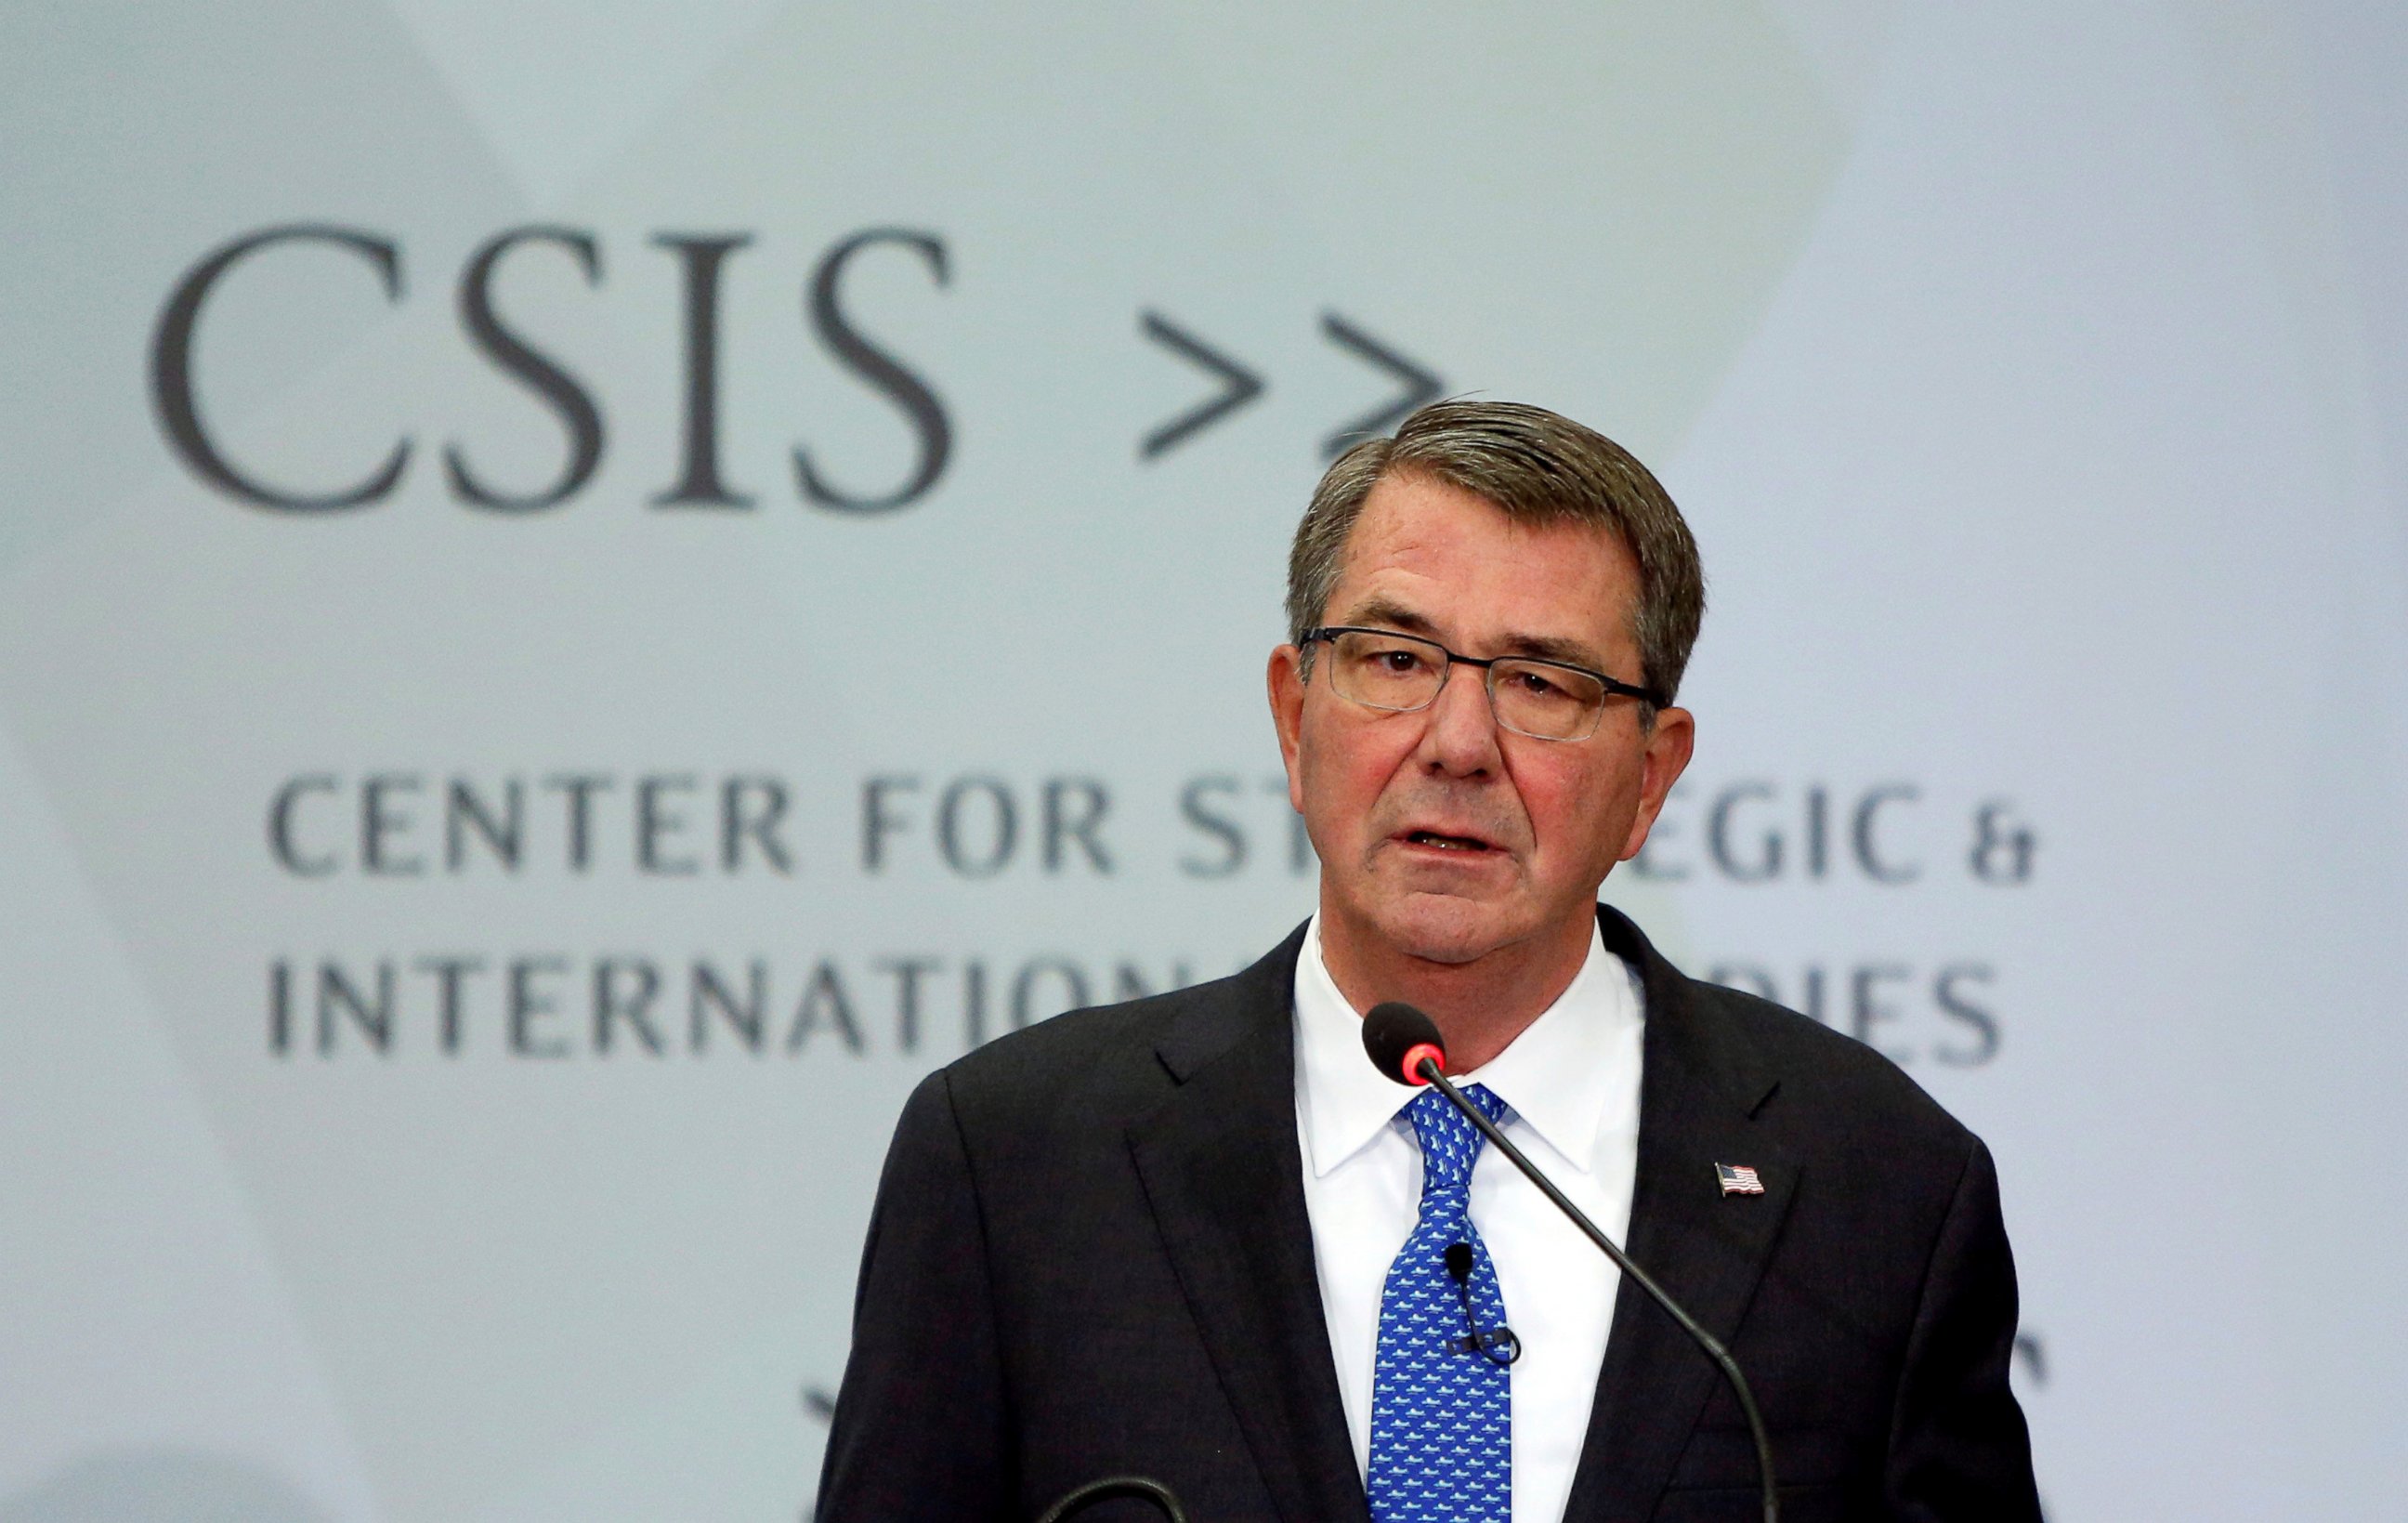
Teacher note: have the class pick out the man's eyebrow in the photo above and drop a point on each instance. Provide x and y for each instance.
(1572, 652)
(1380, 609)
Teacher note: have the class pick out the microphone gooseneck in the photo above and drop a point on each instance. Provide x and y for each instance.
(1405, 1044)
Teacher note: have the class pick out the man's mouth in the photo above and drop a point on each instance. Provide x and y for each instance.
(1446, 842)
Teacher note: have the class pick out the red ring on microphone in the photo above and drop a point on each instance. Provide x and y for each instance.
(1416, 1054)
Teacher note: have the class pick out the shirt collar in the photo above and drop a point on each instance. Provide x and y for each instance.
(1550, 1074)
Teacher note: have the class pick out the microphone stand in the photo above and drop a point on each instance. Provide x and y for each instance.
(1429, 1072)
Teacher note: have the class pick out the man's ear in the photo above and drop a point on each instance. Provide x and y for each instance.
(1285, 680)
(1669, 745)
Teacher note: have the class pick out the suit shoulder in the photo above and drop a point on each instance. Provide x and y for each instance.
(1829, 1077)
(1104, 1058)
(1069, 1042)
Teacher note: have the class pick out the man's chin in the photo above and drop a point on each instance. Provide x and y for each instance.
(1446, 929)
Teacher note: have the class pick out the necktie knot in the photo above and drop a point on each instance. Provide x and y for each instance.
(1450, 1143)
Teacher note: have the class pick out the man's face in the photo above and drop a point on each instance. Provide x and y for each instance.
(1441, 835)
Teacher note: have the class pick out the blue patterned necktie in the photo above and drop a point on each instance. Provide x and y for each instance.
(1441, 1413)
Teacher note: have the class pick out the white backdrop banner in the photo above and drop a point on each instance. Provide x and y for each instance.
(589, 590)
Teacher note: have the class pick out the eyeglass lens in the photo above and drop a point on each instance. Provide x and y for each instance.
(1401, 672)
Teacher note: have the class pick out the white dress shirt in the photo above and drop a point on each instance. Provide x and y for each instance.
(1571, 1081)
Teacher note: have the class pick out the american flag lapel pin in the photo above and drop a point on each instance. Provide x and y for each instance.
(1738, 1179)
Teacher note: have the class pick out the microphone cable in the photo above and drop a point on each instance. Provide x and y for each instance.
(1117, 1485)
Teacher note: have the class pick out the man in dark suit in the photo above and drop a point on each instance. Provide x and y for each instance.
(1187, 1237)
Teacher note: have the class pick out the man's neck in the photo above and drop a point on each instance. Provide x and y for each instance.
(1479, 1006)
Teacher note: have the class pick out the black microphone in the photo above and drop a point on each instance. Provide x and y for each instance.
(1405, 1044)
(1498, 1344)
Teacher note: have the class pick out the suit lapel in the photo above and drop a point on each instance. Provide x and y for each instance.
(1699, 1093)
(1224, 1175)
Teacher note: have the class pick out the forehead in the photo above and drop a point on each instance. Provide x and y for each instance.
(1482, 578)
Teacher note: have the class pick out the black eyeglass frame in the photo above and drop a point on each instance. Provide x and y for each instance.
(1615, 687)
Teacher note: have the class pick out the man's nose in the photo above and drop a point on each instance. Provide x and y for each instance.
(1462, 734)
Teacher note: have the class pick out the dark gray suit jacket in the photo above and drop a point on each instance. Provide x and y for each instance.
(1090, 1257)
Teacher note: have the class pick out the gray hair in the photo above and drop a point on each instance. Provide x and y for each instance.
(1540, 468)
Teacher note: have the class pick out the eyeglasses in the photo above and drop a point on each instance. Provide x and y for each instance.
(1546, 701)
